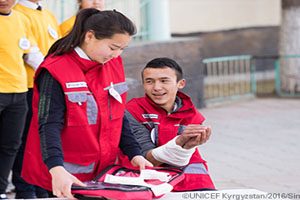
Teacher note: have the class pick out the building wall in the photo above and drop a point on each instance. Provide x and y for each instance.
(62, 9)
(189, 52)
(188, 16)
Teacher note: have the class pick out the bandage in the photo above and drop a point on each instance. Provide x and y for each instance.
(173, 154)
(34, 58)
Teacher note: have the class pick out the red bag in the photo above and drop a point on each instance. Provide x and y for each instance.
(117, 182)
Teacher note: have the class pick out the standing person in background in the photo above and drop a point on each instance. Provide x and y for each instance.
(16, 43)
(45, 30)
(66, 26)
(78, 104)
(168, 126)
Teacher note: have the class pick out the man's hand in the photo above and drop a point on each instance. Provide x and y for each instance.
(141, 162)
(62, 182)
(193, 135)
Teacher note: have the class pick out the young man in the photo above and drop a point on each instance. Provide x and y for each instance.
(168, 126)
(45, 30)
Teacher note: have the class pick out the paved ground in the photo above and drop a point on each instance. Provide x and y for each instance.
(255, 144)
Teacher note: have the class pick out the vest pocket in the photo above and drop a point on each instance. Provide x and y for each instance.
(115, 107)
(81, 108)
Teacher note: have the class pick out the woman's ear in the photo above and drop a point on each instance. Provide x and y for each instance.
(181, 84)
(89, 35)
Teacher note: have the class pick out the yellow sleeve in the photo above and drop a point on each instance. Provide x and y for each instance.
(67, 25)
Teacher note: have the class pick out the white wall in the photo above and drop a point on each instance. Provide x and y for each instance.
(187, 16)
(211, 15)
(62, 9)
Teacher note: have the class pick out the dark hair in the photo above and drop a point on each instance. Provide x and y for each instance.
(103, 23)
(164, 63)
(79, 2)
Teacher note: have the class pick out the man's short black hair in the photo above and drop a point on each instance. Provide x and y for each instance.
(163, 63)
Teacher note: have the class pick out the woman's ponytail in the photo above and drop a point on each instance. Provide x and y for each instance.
(75, 36)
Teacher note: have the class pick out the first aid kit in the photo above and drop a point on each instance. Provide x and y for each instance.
(118, 182)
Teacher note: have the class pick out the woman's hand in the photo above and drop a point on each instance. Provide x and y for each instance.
(62, 182)
(141, 162)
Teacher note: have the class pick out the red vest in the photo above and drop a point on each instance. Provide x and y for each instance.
(146, 112)
(93, 118)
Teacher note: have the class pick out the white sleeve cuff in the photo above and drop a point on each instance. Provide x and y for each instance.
(34, 58)
(173, 154)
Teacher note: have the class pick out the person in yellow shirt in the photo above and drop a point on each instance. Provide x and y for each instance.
(45, 30)
(67, 25)
(16, 43)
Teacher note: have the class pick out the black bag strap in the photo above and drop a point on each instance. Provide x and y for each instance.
(104, 172)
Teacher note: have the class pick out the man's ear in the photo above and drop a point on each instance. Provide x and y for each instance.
(181, 84)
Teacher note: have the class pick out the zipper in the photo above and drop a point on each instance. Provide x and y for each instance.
(109, 108)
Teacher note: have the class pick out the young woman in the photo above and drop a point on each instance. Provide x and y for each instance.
(78, 104)
(66, 26)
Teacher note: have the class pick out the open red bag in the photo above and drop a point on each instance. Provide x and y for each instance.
(118, 182)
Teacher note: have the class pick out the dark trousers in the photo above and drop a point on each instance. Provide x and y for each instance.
(24, 189)
(13, 109)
